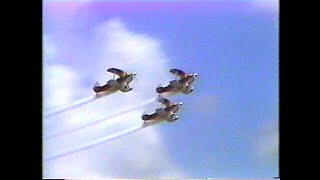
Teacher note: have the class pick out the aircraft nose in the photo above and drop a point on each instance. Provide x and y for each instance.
(134, 73)
(195, 74)
(180, 103)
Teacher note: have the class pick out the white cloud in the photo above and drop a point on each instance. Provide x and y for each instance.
(60, 83)
(267, 145)
(139, 155)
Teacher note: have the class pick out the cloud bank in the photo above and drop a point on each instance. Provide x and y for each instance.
(139, 155)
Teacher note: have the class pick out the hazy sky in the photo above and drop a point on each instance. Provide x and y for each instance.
(228, 126)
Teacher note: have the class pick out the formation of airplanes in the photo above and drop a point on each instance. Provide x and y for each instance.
(168, 112)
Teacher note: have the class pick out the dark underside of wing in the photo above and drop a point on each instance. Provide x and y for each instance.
(179, 73)
(164, 89)
(101, 88)
(150, 116)
(120, 80)
(116, 71)
(183, 80)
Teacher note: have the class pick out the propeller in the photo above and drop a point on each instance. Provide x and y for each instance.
(180, 106)
(136, 77)
(195, 74)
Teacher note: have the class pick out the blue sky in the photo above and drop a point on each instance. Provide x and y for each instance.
(234, 48)
(236, 55)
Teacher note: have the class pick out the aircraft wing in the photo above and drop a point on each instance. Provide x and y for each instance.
(167, 88)
(152, 116)
(97, 88)
(172, 109)
(118, 72)
(183, 81)
(179, 73)
(164, 101)
(121, 80)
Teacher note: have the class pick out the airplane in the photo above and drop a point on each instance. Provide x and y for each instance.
(182, 85)
(121, 83)
(167, 113)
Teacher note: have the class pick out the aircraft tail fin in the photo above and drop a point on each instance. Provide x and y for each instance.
(96, 84)
(145, 117)
(160, 90)
(96, 87)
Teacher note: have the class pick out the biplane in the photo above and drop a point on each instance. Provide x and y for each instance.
(168, 112)
(121, 83)
(182, 85)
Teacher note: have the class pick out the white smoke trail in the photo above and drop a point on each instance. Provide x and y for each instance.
(101, 120)
(102, 140)
(70, 106)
